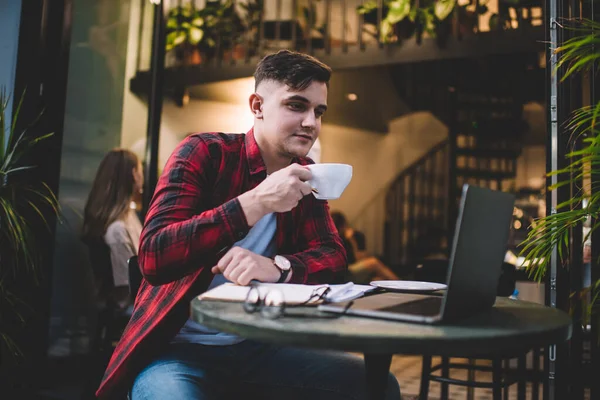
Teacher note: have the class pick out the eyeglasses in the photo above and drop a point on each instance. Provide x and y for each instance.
(271, 304)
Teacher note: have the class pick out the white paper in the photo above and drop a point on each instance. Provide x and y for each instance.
(291, 293)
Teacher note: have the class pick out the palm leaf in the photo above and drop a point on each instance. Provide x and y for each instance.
(580, 52)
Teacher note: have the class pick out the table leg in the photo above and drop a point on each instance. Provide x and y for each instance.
(377, 367)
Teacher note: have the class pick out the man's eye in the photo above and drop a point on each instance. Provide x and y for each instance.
(296, 106)
(319, 113)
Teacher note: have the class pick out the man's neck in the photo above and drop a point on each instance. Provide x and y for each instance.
(275, 163)
(272, 159)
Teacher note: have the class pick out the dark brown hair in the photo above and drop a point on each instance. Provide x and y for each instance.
(297, 70)
(339, 220)
(111, 194)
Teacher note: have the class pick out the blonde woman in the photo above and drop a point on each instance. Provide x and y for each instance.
(111, 227)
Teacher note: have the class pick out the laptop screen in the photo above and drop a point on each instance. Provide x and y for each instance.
(478, 250)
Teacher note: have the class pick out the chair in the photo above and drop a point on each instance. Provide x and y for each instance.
(502, 377)
(100, 261)
(111, 319)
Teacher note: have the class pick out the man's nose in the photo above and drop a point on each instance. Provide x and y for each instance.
(310, 120)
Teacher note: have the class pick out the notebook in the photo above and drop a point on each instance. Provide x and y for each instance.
(478, 249)
(292, 293)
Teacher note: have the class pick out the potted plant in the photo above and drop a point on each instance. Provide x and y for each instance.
(184, 29)
(196, 34)
(23, 199)
(401, 19)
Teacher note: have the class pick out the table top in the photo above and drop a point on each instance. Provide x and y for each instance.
(509, 328)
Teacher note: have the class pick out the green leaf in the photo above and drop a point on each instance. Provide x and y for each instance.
(443, 8)
(196, 35)
(398, 10)
(385, 31)
(4, 134)
(198, 22)
(367, 7)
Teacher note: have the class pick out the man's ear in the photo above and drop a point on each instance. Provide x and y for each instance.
(256, 103)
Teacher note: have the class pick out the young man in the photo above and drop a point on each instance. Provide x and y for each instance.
(237, 207)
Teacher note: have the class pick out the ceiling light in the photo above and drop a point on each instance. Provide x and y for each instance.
(352, 96)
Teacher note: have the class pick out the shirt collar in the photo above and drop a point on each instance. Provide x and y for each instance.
(256, 163)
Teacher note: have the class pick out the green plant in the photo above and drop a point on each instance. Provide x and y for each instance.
(23, 199)
(188, 28)
(576, 55)
(424, 15)
(184, 27)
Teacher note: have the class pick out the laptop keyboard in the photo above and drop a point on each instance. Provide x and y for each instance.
(428, 306)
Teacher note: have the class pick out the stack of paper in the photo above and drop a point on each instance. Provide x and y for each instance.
(291, 293)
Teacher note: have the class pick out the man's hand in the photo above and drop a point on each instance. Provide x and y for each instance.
(240, 266)
(280, 192)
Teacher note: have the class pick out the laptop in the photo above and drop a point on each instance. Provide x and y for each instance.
(478, 250)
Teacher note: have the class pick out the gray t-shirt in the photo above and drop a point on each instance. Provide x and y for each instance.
(123, 239)
(260, 240)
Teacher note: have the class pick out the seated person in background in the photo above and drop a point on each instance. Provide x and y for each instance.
(365, 268)
(110, 220)
(358, 241)
(431, 255)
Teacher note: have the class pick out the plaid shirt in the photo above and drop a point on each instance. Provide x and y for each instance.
(193, 220)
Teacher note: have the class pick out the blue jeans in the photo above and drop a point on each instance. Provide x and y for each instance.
(254, 370)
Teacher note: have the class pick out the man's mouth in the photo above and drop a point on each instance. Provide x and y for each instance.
(306, 137)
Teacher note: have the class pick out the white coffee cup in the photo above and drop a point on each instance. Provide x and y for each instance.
(329, 179)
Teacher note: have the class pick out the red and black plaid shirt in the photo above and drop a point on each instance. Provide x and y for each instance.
(194, 218)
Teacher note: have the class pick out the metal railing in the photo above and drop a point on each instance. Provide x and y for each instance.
(417, 203)
(237, 31)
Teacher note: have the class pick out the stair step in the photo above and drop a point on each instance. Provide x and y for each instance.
(509, 154)
(483, 174)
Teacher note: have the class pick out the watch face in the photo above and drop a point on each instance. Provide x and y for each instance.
(282, 262)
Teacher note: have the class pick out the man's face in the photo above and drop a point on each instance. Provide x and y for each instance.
(290, 119)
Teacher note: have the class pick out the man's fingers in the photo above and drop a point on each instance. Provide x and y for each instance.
(235, 272)
(305, 188)
(226, 259)
(235, 262)
(245, 277)
(301, 172)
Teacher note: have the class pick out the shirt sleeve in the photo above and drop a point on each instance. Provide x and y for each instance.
(322, 258)
(179, 236)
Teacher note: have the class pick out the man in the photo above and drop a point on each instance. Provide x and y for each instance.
(237, 208)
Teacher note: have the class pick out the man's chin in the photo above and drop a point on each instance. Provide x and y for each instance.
(298, 151)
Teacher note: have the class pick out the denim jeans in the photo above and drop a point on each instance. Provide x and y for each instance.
(254, 370)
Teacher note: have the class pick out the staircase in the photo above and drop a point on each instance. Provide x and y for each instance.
(485, 130)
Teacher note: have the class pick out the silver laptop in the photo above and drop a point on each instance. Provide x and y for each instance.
(478, 250)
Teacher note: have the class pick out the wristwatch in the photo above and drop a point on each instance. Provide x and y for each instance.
(284, 266)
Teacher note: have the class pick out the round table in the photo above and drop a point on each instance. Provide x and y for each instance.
(510, 328)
